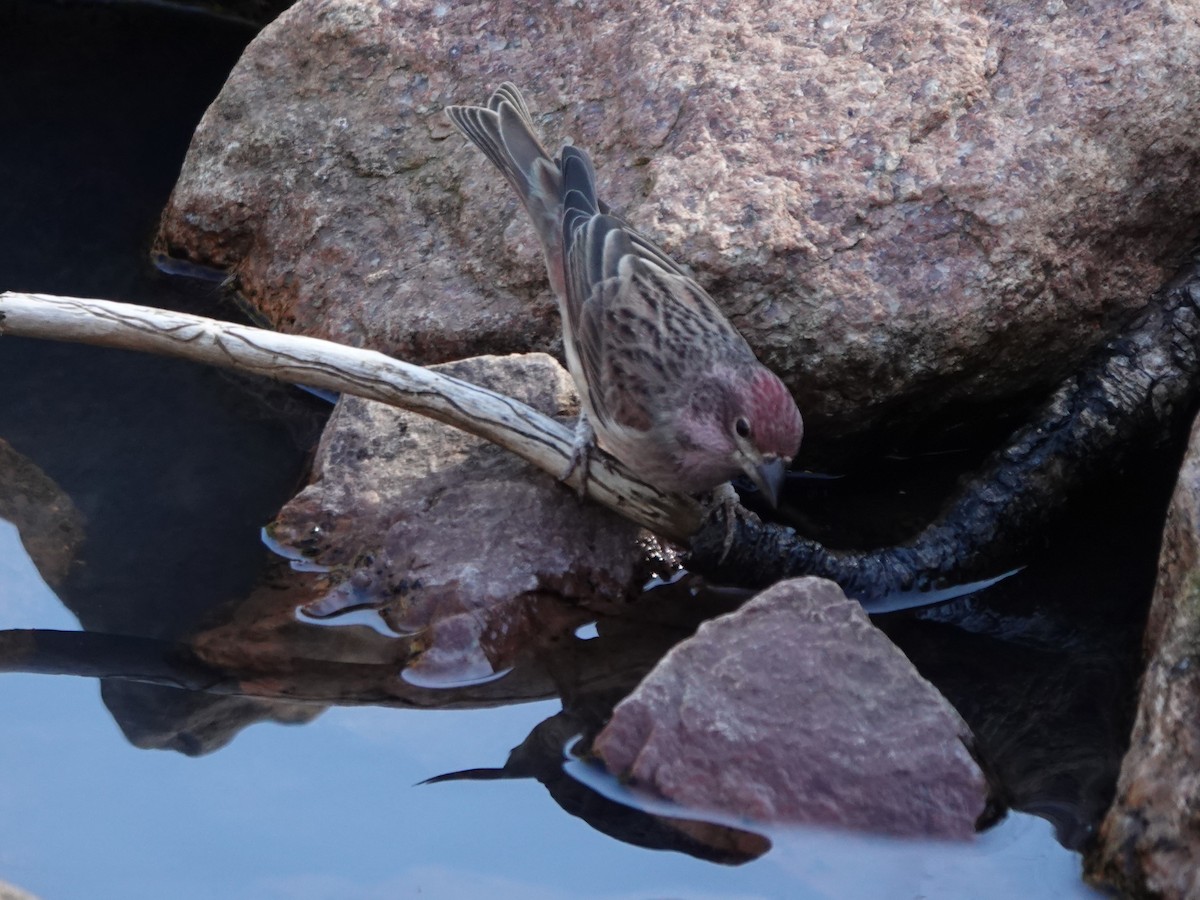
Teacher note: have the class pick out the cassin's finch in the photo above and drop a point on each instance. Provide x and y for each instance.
(668, 386)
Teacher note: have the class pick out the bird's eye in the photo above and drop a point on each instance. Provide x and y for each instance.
(742, 427)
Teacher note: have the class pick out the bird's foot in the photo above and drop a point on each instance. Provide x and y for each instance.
(581, 452)
(726, 499)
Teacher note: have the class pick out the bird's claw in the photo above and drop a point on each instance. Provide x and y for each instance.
(726, 498)
(581, 452)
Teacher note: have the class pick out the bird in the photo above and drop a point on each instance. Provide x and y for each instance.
(667, 385)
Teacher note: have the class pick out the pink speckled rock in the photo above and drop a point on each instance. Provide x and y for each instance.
(796, 709)
(904, 205)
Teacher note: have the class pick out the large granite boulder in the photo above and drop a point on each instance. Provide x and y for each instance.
(903, 206)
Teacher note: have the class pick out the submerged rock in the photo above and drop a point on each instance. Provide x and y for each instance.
(450, 535)
(1149, 844)
(902, 206)
(796, 709)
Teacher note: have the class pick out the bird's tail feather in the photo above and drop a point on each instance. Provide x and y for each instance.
(503, 130)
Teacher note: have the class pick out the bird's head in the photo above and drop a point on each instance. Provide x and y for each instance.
(742, 423)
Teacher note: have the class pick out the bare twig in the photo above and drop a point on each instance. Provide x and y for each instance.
(534, 437)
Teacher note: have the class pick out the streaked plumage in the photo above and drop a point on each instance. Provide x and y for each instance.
(669, 386)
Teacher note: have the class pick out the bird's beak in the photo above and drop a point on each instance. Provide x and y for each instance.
(768, 477)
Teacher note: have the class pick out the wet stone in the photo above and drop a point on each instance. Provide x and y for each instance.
(450, 536)
(1149, 843)
(795, 709)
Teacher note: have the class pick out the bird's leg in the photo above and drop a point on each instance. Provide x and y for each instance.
(581, 450)
(725, 497)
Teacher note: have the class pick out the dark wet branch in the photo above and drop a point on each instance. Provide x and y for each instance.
(91, 655)
(1135, 387)
(86, 654)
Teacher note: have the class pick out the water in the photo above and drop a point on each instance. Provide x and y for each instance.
(28, 602)
(331, 810)
(175, 469)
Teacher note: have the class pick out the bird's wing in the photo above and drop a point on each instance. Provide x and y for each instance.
(636, 318)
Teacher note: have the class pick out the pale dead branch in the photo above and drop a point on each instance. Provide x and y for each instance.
(536, 438)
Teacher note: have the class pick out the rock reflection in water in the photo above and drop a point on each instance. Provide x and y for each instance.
(1039, 665)
(254, 661)
(1038, 711)
(1050, 724)
(50, 525)
(1043, 666)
